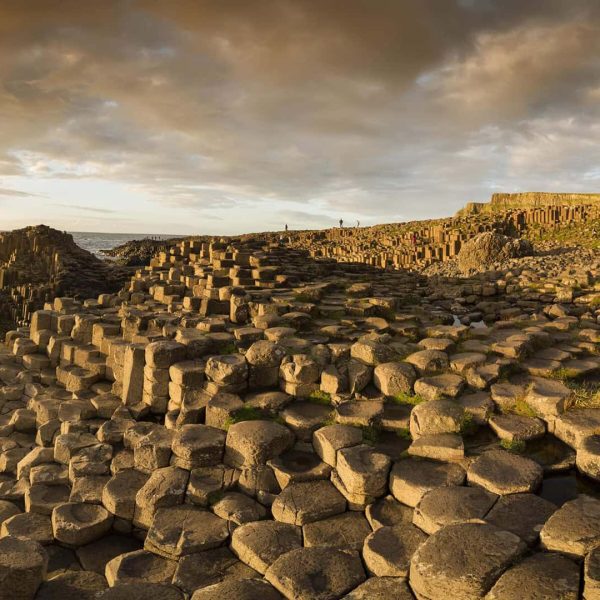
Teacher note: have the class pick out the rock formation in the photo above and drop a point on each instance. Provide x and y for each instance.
(248, 418)
(489, 248)
(138, 253)
(417, 245)
(527, 200)
(40, 263)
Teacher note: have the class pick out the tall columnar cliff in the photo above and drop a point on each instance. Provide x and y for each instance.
(527, 200)
(418, 244)
(39, 263)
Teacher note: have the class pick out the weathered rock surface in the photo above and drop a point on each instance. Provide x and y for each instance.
(23, 567)
(539, 576)
(488, 248)
(319, 573)
(501, 472)
(463, 561)
(574, 529)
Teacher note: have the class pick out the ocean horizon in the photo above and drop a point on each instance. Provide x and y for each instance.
(94, 241)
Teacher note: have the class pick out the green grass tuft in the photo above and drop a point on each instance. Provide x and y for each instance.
(403, 398)
(514, 446)
(246, 413)
(585, 394)
(522, 408)
(404, 434)
(229, 348)
(563, 374)
(468, 425)
(595, 302)
(320, 397)
(370, 434)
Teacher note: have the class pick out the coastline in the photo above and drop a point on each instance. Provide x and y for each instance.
(96, 242)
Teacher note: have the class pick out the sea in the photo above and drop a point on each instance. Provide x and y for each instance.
(95, 242)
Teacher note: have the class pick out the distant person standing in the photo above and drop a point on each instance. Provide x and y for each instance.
(341, 223)
(286, 227)
(357, 223)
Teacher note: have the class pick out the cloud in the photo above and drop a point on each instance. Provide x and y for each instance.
(17, 193)
(522, 71)
(86, 208)
(378, 110)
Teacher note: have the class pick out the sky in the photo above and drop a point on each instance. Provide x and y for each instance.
(231, 116)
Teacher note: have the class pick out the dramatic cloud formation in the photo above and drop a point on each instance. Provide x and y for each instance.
(237, 115)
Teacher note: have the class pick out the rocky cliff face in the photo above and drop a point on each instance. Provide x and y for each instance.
(39, 263)
(527, 200)
(138, 253)
(535, 199)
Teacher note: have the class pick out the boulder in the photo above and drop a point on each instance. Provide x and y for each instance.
(346, 531)
(372, 353)
(362, 470)
(445, 447)
(436, 387)
(139, 566)
(463, 561)
(180, 530)
(331, 438)
(502, 472)
(209, 567)
(542, 575)
(260, 543)
(23, 565)
(428, 361)
(387, 552)
(255, 442)
(316, 573)
(381, 588)
(242, 589)
(392, 378)
(591, 574)
(517, 428)
(449, 505)
(78, 523)
(574, 529)
(230, 369)
(488, 248)
(388, 512)
(305, 502)
(436, 416)
(197, 446)
(237, 508)
(588, 457)
(547, 397)
(411, 478)
(521, 514)
(72, 585)
(29, 526)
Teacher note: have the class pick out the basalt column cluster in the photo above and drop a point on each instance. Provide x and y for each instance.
(244, 421)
